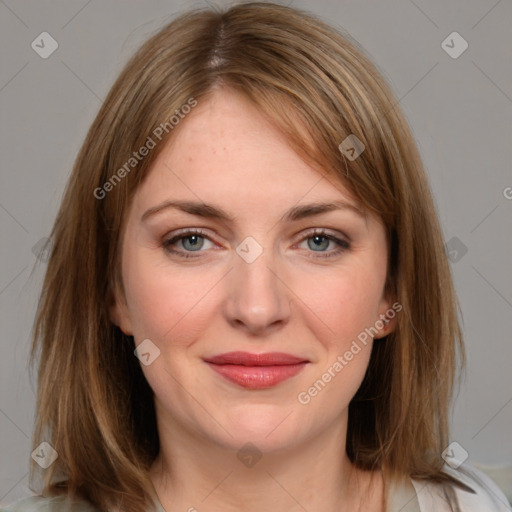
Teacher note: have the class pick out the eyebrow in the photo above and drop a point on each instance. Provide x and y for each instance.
(213, 212)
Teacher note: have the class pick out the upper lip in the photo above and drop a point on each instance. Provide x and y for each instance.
(248, 359)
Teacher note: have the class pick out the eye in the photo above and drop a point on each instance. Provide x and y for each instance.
(319, 240)
(192, 240)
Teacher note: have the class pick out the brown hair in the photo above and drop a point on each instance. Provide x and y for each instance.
(94, 405)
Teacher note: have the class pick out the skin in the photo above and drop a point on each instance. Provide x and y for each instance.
(289, 299)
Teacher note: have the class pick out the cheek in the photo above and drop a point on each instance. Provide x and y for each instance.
(339, 310)
(341, 304)
(166, 303)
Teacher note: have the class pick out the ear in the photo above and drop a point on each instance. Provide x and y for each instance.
(118, 311)
(386, 322)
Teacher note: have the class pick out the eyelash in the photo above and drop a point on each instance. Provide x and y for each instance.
(342, 244)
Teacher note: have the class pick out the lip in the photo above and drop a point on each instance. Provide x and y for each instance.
(256, 371)
(249, 359)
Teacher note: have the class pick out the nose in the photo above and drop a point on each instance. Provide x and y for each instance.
(258, 299)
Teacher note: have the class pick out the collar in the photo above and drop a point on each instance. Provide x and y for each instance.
(462, 477)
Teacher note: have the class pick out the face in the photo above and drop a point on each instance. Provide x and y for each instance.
(248, 275)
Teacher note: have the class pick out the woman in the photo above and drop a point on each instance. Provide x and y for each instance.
(247, 304)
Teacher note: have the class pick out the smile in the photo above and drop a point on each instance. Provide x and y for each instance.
(256, 371)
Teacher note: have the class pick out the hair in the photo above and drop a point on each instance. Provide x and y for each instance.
(317, 86)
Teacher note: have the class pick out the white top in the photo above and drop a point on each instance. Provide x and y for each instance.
(480, 494)
(477, 494)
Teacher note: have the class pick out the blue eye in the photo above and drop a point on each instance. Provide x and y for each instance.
(320, 239)
(195, 237)
(193, 240)
(196, 242)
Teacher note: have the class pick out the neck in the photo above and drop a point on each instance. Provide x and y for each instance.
(193, 473)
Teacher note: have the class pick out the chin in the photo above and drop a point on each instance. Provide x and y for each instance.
(268, 427)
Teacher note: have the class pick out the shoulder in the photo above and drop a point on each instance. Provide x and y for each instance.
(53, 504)
(476, 492)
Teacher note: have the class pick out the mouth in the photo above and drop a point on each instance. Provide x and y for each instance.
(256, 371)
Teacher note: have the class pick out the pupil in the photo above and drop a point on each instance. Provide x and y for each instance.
(195, 242)
(318, 240)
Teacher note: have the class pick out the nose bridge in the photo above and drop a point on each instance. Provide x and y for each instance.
(258, 300)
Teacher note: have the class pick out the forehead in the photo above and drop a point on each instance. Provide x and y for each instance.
(226, 151)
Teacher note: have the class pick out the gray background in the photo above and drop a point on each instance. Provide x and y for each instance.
(459, 109)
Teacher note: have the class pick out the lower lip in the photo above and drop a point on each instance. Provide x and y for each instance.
(257, 377)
